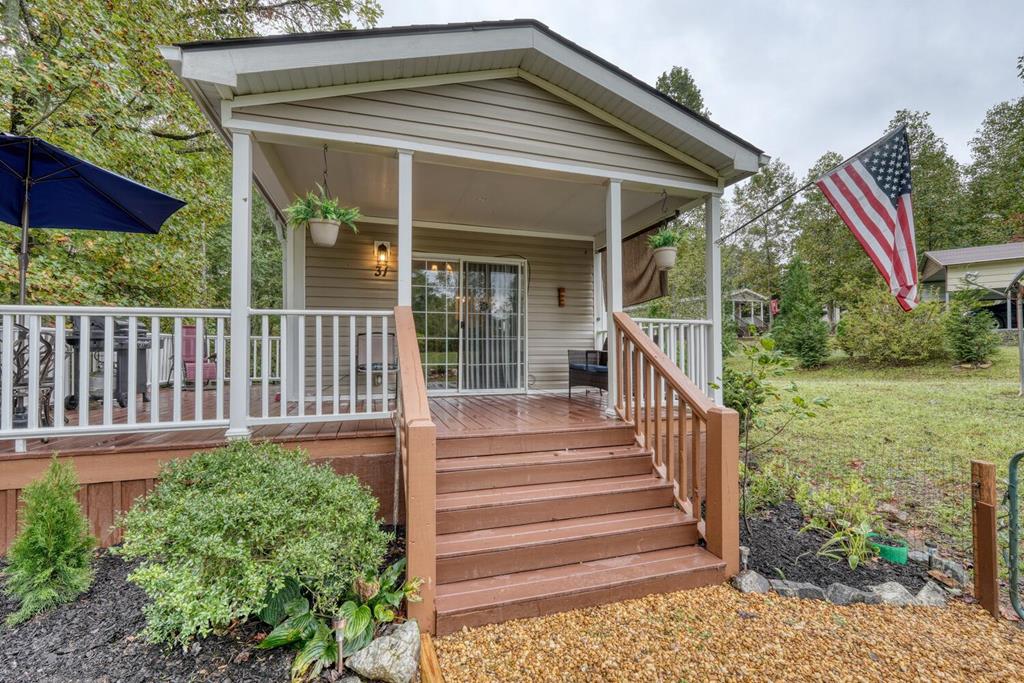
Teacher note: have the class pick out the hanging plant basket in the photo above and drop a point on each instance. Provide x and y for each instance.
(324, 232)
(665, 257)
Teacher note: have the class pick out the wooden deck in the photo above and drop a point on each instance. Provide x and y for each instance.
(453, 415)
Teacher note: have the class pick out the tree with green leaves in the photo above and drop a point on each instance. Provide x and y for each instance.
(970, 327)
(50, 561)
(88, 76)
(679, 84)
(799, 330)
(995, 176)
(938, 187)
(756, 255)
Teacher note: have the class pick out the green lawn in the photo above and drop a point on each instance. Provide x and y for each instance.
(911, 433)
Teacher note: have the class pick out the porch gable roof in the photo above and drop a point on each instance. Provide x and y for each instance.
(236, 69)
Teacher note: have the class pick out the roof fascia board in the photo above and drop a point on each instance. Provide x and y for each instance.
(370, 86)
(671, 185)
(226, 64)
(461, 227)
(743, 159)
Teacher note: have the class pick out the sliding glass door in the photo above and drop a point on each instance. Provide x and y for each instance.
(470, 320)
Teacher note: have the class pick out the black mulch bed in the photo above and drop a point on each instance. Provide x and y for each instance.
(97, 639)
(778, 550)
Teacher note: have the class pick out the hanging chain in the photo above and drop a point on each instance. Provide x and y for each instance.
(327, 188)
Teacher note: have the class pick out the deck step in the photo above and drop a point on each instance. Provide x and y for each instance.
(489, 552)
(515, 505)
(555, 589)
(478, 472)
(588, 436)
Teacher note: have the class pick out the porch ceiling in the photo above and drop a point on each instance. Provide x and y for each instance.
(477, 196)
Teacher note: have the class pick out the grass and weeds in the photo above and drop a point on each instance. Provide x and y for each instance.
(910, 433)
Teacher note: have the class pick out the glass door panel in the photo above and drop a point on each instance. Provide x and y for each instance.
(435, 306)
(492, 329)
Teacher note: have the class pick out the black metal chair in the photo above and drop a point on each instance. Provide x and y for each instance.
(20, 372)
(588, 368)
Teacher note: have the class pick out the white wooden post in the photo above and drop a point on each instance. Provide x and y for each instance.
(241, 227)
(295, 299)
(613, 279)
(713, 289)
(404, 228)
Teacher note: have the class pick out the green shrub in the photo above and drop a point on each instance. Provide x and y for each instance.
(970, 328)
(50, 561)
(772, 483)
(799, 330)
(225, 530)
(878, 331)
(847, 513)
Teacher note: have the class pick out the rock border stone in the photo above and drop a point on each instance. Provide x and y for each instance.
(889, 593)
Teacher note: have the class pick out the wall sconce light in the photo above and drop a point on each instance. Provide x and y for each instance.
(381, 258)
(561, 297)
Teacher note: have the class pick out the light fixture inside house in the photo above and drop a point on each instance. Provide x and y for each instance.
(433, 267)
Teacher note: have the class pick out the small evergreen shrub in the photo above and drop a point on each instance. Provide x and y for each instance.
(223, 531)
(50, 561)
(970, 328)
(877, 331)
(799, 330)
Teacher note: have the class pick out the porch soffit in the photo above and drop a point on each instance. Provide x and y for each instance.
(462, 196)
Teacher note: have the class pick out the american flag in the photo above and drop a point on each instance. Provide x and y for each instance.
(871, 193)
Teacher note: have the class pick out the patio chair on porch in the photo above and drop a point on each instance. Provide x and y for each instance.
(376, 366)
(20, 376)
(188, 358)
(589, 368)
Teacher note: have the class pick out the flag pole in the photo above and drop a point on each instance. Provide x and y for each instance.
(806, 185)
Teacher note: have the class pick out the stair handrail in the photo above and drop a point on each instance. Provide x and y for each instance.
(416, 448)
(661, 402)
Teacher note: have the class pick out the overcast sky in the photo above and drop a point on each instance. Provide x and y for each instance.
(794, 78)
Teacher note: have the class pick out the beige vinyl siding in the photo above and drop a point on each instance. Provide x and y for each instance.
(993, 274)
(509, 116)
(341, 277)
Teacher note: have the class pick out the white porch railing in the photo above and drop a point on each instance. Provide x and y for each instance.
(79, 371)
(344, 365)
(58, 362)
(686, 342)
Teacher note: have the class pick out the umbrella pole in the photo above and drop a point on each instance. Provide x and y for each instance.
(23, 256)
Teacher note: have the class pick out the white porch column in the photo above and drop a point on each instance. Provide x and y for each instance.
(613, 280)
(713, 289)
(404, 228)
(241, 228)
(295, 298)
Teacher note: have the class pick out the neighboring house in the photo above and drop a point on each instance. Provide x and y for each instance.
(749, 309)
(992, 267)
(499, 168)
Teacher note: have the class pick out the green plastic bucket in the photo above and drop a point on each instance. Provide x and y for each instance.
(890, 549)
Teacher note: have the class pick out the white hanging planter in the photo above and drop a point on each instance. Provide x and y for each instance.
(325, 232)
(665, 257)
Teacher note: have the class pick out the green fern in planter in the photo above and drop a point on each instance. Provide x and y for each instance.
(318, 206)
(665, 237)
(50, 561)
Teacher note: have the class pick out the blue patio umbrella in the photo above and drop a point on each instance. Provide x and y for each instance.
(42, 186)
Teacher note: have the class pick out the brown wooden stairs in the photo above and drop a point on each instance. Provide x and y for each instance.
(536, 523)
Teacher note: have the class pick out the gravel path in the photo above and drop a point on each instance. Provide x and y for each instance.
(719, 634)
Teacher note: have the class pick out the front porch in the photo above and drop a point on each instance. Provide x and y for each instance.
(466, 415)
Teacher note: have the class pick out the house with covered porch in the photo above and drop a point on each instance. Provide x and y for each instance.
(498, 168)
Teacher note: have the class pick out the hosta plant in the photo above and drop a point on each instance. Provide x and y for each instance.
(371, 602)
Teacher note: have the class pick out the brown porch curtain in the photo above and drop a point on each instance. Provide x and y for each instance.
(641, 280)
